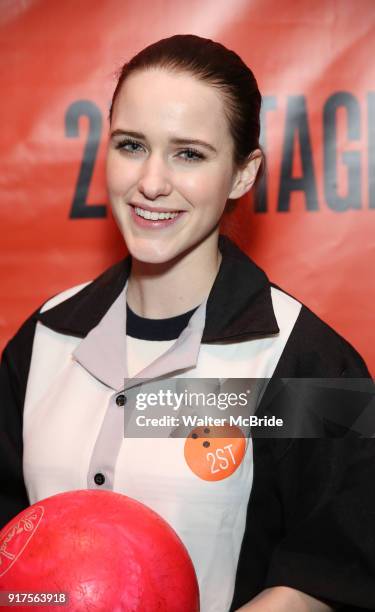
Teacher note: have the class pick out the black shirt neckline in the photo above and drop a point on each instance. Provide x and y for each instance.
(156, 329)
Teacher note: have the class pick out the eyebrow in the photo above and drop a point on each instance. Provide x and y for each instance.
(178, 141)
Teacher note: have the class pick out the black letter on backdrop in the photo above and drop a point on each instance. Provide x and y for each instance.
(80, 209)
(297, 125)
(351, 159)
(371, 149)
(261, 197)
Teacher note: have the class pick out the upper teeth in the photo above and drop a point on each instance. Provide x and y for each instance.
(154, 216)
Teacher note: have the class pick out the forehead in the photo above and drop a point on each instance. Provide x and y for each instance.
(158, 100)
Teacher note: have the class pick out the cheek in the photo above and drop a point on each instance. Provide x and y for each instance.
(117, 174)
(207, 190)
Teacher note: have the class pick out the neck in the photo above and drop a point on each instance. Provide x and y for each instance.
(159, 291)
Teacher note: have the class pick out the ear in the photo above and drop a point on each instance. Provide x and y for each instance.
(245, 176)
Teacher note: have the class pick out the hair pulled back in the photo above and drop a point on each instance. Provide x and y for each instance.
(211, 62)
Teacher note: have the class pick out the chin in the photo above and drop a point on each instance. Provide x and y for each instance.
(147, 254)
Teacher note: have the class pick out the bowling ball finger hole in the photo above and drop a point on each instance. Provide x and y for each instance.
(206, 444)
(206, 431)
(194, 435)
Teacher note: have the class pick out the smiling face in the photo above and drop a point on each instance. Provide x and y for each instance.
(170, 164)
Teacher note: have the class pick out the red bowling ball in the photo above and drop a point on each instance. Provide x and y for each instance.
(105, 551)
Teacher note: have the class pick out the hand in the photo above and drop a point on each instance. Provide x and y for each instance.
(284, 599)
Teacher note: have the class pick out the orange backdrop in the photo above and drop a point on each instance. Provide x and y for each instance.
(311, 223)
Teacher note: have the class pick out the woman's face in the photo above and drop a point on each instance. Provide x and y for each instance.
(169, 164)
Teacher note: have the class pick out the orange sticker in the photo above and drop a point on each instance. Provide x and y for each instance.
(210, 455)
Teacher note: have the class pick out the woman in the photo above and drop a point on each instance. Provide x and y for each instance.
(281, 531)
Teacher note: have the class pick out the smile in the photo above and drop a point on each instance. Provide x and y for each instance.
(154, 216)
(151, 219)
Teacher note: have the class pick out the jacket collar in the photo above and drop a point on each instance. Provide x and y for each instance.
(239, 305)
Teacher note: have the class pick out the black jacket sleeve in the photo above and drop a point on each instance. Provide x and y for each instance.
(14, 369)
(327, 548)
(311, 514)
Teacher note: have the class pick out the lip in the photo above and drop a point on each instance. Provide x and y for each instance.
(149, 223)
(153, 208)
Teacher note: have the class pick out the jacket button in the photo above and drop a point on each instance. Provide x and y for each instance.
(99, 479)
(121, 400)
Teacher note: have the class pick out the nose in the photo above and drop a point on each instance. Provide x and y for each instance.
(154, 179)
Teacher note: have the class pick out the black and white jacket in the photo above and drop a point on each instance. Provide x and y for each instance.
(297, 512)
